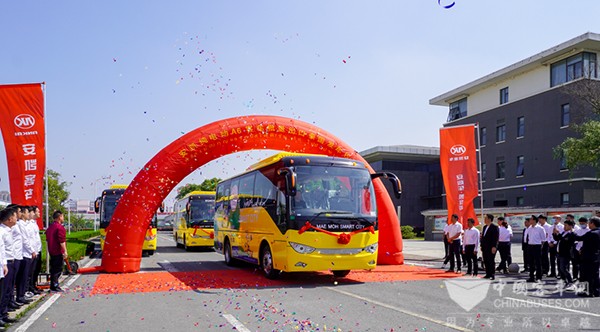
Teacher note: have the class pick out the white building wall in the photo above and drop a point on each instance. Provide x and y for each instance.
(521, 86)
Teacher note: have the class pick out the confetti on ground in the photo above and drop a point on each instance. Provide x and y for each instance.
(246, 278)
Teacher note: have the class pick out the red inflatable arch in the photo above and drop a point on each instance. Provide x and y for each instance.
(125, 235)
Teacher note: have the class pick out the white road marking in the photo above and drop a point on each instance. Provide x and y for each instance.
(236, 323)
(410, 313)
(38, 313)
(536, 304)
(418, 264)
(168, 266)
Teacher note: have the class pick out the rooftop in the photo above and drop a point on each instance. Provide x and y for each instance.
(588, 41)
(402, 152)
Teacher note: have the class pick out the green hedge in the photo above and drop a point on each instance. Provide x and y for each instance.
(77, 245)
(407, 232)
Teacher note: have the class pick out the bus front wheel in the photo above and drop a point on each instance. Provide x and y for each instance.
(341, 273)
(266, 262)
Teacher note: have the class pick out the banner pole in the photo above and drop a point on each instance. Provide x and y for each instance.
(46, 166)
(480, 170)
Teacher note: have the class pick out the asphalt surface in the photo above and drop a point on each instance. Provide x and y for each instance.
(463, 304)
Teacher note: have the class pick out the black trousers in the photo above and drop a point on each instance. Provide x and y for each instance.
(471, 259)
(535, 261)
(35, 271)
(552, 251)
(7, 287)
(545, 259)
(576, 264)
(455, 253)
(446, 250)
(489, 261)
(590, 273)
(505, 255)
(525, 249)
(56, 268)
(23, 276)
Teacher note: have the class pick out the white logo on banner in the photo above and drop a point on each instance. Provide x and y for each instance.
(458, 150)
(24, 121)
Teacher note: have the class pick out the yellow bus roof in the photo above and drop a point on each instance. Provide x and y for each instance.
(277, 157)
(198, 192)
(118, 186)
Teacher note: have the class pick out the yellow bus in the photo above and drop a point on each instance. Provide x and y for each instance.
(293, 212)
(106, 204)
(193, 225)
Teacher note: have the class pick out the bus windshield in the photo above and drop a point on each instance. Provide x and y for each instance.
(109, 205)
(201, 212)
(328, 193)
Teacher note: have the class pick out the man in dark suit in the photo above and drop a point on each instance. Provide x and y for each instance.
(590, 258)
(489, 245)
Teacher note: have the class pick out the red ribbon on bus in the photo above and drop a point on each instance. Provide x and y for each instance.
(211, 233)
(343, 238)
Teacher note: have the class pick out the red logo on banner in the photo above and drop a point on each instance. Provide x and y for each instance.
(22, 125)
(458, 161)
(24, 121)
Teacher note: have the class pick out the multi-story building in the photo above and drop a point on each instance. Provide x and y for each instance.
(418, 168)
(523, 112)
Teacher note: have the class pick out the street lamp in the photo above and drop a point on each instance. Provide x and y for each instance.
(70, 203)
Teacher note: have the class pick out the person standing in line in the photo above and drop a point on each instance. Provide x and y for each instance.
(552, 243)
(18, 256)
(489, 245)
(470, 247)
(579, 231)
(504, 244)
(5, 215)
(28, 254)
(524, 246)
(56, 236)
(454, 239)
(446, 246)
(536, 236)
(8, 219)
(36, 241)
(565, 240)
(590, 258)
(543, 222)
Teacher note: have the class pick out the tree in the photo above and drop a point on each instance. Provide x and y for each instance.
(206, 185)
(583, 149)
(57, 192)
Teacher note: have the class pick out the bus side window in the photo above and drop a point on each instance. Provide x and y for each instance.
(281, 203)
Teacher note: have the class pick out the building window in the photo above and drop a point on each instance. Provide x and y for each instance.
(483, 136)
(500, 133)
(520, 201)
(574, 67)
(520, 126)
(483, 171)
(504, 96)
(565, 115)
(458, 109)
(500, 172)
(564, 198)
(520, 165)
(563, 162)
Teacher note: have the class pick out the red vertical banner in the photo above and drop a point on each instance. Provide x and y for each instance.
(458, 160)
(22, 126)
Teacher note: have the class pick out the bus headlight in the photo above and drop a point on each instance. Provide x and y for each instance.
(371, 249)
(301, 248)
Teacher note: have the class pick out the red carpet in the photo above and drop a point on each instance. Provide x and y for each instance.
(245, 278)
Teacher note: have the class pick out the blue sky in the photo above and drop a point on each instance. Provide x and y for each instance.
(126, 78)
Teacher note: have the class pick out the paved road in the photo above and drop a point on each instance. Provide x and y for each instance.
(304, 302)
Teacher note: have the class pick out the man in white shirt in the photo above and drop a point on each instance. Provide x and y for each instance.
(504, 243)
(543, 221)
(446, 246)
(20, 242)
(8, 283)
(579, 231)
(29, 254)
(560, 227)
(454, 239)
(536, 236)
(470, 247)
(36, 241)
(524, 245)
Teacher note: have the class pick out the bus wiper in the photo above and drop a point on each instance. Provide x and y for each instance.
(328, 212)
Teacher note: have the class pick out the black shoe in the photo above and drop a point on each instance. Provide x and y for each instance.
(525, 270)
(505, 271)
(36, 291)
(583, 294)
(552, 275)
(14, 306)
(56, 289)
(9, 320)
(450, 270)
(19, 303)
(458, 271)
(530, 280)
(492, 278)
(24, 300)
